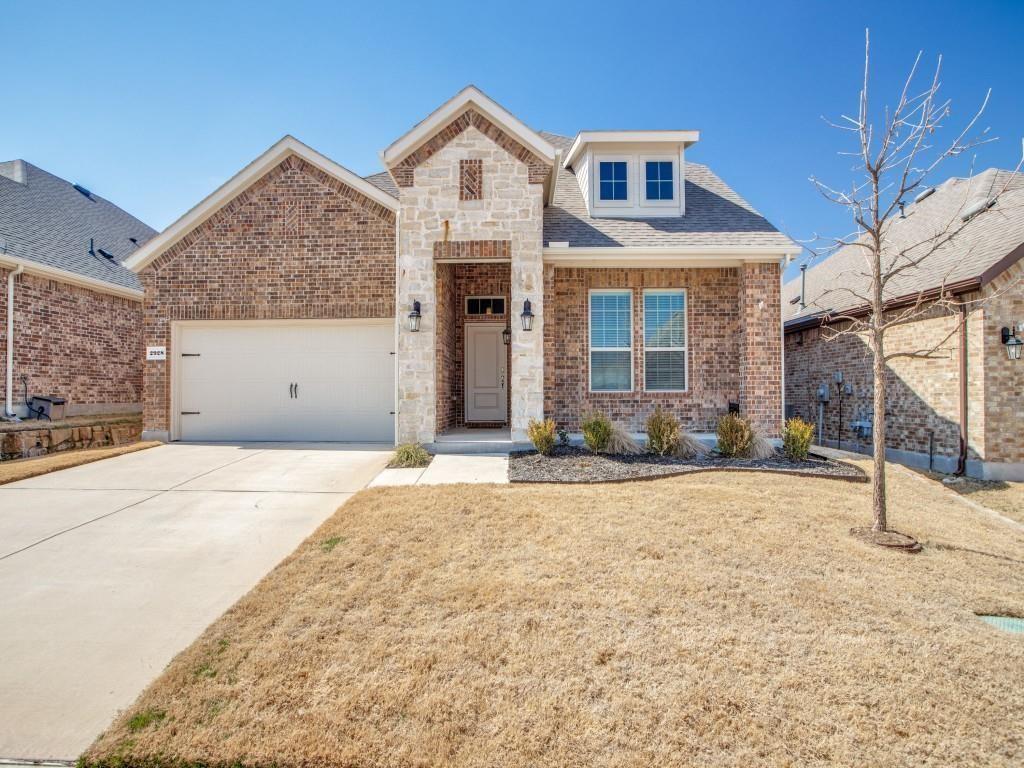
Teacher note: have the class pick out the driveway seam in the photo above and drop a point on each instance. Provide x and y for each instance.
(159, 492)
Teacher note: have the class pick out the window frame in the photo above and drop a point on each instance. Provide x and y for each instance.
(645, 200)
(685, 349)
(465, 305)
(630, 181)
(590, 347)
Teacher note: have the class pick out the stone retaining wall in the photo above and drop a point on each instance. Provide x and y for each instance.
(37, 438)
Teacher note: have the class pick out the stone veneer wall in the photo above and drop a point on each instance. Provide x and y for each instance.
(38, 438)
(923, 410)
(713, 323)
(73, 342)
(511, 209)
(297, 243)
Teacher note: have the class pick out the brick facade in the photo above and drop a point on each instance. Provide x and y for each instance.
(923, 413)
(74, 342)
(297, 243)
(715, 312)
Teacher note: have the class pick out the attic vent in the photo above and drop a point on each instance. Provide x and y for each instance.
(977, 208)
(923, 195)
(82, 190)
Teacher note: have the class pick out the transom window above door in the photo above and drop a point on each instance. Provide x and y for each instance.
(485, 305)
(614, 184)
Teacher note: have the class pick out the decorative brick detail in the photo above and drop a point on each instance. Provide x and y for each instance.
(296, 244)
(471, 179)
(473, 250)
(74, 342)
(454, 283)
(403, 172)
(713, 322)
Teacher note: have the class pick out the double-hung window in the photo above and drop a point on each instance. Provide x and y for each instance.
(665, 340)
(658, 175)
(611, 341)
(614, 184)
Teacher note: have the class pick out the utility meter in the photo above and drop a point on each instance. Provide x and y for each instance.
(823, 393)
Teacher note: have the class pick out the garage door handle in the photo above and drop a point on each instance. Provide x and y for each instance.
(296, 391)
(190, 413)
(291, 391)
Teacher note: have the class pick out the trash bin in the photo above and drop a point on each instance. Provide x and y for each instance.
(48, 406)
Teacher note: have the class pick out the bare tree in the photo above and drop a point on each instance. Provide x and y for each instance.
(896, 153)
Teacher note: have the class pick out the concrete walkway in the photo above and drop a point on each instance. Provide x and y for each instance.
(109, 569)
(447, 469)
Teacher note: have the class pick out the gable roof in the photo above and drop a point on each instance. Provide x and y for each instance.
(47, 221)
(980, 249)
(238, 183)
(468, 97)
(716, 217)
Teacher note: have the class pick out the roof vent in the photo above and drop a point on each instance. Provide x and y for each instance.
(82, 190)
(105, 254)
(978, 207)
(928, 192)
(14, 170)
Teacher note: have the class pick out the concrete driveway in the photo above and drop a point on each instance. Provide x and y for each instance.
(109, 569)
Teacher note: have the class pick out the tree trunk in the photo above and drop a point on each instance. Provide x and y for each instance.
(878, 433)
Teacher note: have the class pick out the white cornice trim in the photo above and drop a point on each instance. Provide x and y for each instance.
(583, 138)
(405, 145)
(241, 181)
(698, 256)
(71, 278)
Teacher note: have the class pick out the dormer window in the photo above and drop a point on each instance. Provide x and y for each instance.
(614, 184)
(659, 180)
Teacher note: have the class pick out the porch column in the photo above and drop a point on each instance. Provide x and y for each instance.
(527, 378)
(761, 347)
(415, 351)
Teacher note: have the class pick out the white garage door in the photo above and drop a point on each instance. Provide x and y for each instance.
(286, 381)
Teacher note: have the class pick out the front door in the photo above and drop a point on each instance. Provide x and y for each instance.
(486, 398)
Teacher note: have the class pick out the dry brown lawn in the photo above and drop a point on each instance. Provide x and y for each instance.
(1004, 497)
(711, 620)
(21, 469)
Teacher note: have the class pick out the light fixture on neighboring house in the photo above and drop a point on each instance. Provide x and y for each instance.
(414, 317)
(506, 335)
(1013, 343)
(527, 316)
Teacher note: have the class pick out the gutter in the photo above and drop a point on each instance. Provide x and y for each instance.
(71, 278)
(8, 393)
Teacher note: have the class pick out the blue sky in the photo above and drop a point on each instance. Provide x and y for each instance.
(153, 105)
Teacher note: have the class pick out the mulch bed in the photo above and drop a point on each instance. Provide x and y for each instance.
(572, 464)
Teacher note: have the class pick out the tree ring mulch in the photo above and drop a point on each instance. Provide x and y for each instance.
(888, 539)
(573, 464)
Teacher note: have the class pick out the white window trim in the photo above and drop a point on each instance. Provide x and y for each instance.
(685, 349)
(591, 348)
(595, 175)
(465, 306)
(642, 181)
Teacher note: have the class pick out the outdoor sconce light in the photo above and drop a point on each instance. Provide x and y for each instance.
(506, 336)
(414, 317)
(527, 316)
(1013, 343)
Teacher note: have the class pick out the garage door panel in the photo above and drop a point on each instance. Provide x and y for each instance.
(240, 382)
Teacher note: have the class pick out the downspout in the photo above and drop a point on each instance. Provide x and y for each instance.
(8, 402)
(961, 462)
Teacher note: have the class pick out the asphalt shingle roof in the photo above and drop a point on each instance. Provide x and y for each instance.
(715, 215)
(43, 218)
(976, 246)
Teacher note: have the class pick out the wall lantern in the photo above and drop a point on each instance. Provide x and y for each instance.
(506, 336)
(1013, 343)
(414, 317)
(527, 316)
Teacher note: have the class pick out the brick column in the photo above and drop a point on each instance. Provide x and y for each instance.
(761, 347)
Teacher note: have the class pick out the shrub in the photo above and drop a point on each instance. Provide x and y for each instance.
(542, 435)
(563, 437)
(597, 431)
(734, 435)
(689, 447)
(663, 433)
(760, 448)
(620, 441)
(796, 438)
(410, 455)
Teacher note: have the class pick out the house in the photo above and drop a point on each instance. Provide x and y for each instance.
(958, 407)
(71, 311)
(490, 275)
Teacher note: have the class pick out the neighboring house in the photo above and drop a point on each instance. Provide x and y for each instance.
(491, 275)
(77, 312)
(956, 409)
